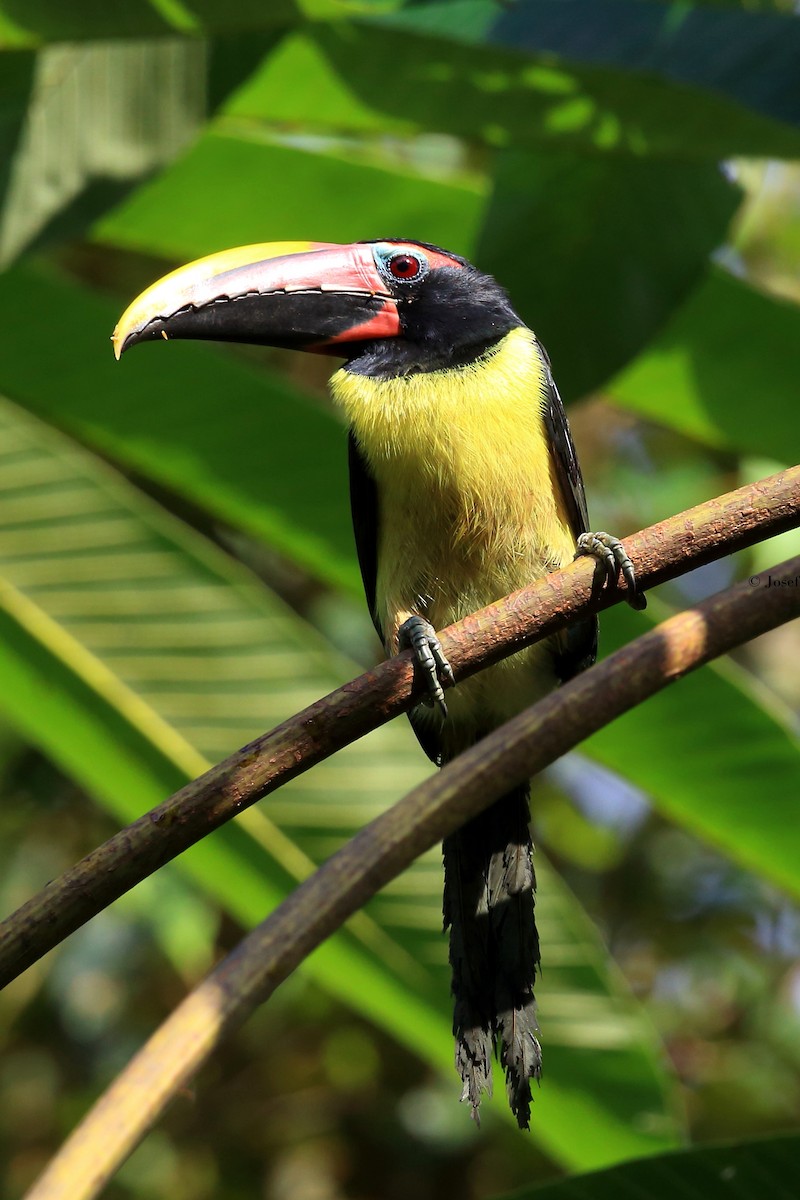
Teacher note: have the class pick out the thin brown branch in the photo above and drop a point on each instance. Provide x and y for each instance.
(662, 552)
(385, 847)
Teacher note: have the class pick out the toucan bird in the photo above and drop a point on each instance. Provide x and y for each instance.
(464, 486)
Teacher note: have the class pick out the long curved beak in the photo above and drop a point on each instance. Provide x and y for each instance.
(306, 295)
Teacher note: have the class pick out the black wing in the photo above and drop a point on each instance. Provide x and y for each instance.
(364, 509)
(579, 648)
(562, 447)
(366, 516)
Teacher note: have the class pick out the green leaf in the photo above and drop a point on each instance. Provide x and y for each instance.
(233, 58)
(134, 652)
(724, 370)
(201, 203)
(747, 1170)
(31, 22)
(100, 117)
(582, 1008)
(714, 755)
(672, 41)
(597, 252)
(224, 434)
(334, 78)
(16, 82)
(784, 6)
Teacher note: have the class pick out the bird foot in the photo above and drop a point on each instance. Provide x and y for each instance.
(418, 635)
(610, 552)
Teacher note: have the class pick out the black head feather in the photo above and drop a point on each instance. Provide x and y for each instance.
(450, 317)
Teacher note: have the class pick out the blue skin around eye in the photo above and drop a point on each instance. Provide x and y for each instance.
(382, 255)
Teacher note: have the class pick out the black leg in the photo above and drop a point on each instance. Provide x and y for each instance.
(418, 635)
(610, 551)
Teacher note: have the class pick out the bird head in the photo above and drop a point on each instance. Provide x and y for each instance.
(386, 306)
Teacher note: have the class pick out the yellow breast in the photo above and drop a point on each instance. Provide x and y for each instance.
(470, 505)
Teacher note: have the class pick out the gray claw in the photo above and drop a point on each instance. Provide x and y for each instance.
(418, 635)
(610, 551)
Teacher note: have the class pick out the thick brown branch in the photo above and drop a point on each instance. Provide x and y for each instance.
(385, 847)
(661, 552)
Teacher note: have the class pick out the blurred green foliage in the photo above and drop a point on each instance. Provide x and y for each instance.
(177, 571)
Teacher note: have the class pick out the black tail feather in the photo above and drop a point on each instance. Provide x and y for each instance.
(494, 950)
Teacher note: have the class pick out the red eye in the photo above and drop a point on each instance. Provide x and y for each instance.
(405, 266)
